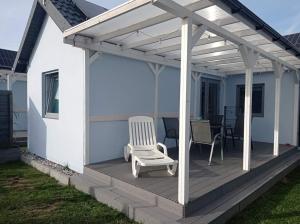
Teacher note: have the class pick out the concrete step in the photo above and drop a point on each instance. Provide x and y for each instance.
(231, 185)
(126, 202)
(222, 209)
(161, 202)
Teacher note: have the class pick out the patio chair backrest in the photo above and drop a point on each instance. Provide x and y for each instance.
(171, 125)
(201, 131)
(239, 126)
(216, 120)
(142, 131)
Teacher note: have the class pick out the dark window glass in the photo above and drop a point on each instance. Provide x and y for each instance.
(257, 99)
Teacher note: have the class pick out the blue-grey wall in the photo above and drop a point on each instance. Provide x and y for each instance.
(121, 86)
(262, 127)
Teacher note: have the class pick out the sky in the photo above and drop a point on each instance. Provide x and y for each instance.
(282, 15)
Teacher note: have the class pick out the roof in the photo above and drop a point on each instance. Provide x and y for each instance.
(65, 13)
(151, 29)
(294, 39)
(7, 58)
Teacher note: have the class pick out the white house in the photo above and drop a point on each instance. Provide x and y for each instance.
(15, 82)
(89, 70)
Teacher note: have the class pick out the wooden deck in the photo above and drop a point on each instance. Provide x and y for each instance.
(203, 178)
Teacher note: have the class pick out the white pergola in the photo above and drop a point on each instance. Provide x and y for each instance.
(197, 36)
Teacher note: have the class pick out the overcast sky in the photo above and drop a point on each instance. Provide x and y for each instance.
(283, 15)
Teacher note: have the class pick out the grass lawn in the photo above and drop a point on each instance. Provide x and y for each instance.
(279, 205)
(28, 196)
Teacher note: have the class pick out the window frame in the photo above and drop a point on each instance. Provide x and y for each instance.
(238, 97)
(46, 114)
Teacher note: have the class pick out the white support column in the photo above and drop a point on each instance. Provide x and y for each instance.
(9, 81)
(249, 57)
(157, 70)
(196, 77)
(86, 107)
(278, 70)
(224, 95)
(184, 111)
(296, 109)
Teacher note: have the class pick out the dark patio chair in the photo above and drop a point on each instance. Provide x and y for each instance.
(201, 133)
(171, 129)
(238, 131)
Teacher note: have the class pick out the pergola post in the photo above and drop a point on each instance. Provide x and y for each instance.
(197, 78)
(296, 109)
(224, 95)
(249, 57)
(278, 70)
(9, 82)
(184, 111)
(157, 70)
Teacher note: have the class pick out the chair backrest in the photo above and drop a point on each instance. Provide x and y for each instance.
(171, 127)
(216, 120)
(239, 126)
(141, 131)
(201, 131)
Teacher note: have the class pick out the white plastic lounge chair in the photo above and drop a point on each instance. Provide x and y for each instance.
(144, 149)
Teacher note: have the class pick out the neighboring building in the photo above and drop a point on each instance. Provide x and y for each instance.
(17, 84)
(294, 39)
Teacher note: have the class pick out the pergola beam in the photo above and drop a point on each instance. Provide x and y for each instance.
(182, 12)
(150, 21)
(84, 42)
(177, 33)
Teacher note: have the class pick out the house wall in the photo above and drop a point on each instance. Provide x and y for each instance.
(122, 87)
(19, 89)
(263, 127)
(58, 140)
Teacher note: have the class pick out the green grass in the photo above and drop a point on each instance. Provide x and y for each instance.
(279, 205)
(28, 196)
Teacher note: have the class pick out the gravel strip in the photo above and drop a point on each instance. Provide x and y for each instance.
(59, 168)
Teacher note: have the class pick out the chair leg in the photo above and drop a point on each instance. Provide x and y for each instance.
(126, 153)
(211, 153)
(190, 144)
(222, 152)
(232, 138)
(173, 170)
(251, 144)
(135, 167)
(176, 143)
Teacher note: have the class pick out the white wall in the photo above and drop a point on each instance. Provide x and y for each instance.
(59, 140)
(19, 90)
(122, 86)
(262, 127)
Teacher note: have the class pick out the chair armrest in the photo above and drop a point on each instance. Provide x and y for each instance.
(130, 147)
(163, 147)
(216, 136)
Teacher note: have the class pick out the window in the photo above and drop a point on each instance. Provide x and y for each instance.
(257, 99)
(50, 94)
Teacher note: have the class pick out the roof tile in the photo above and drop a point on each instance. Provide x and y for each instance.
(7, 58)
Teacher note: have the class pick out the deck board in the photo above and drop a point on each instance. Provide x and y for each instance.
(203, 178)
